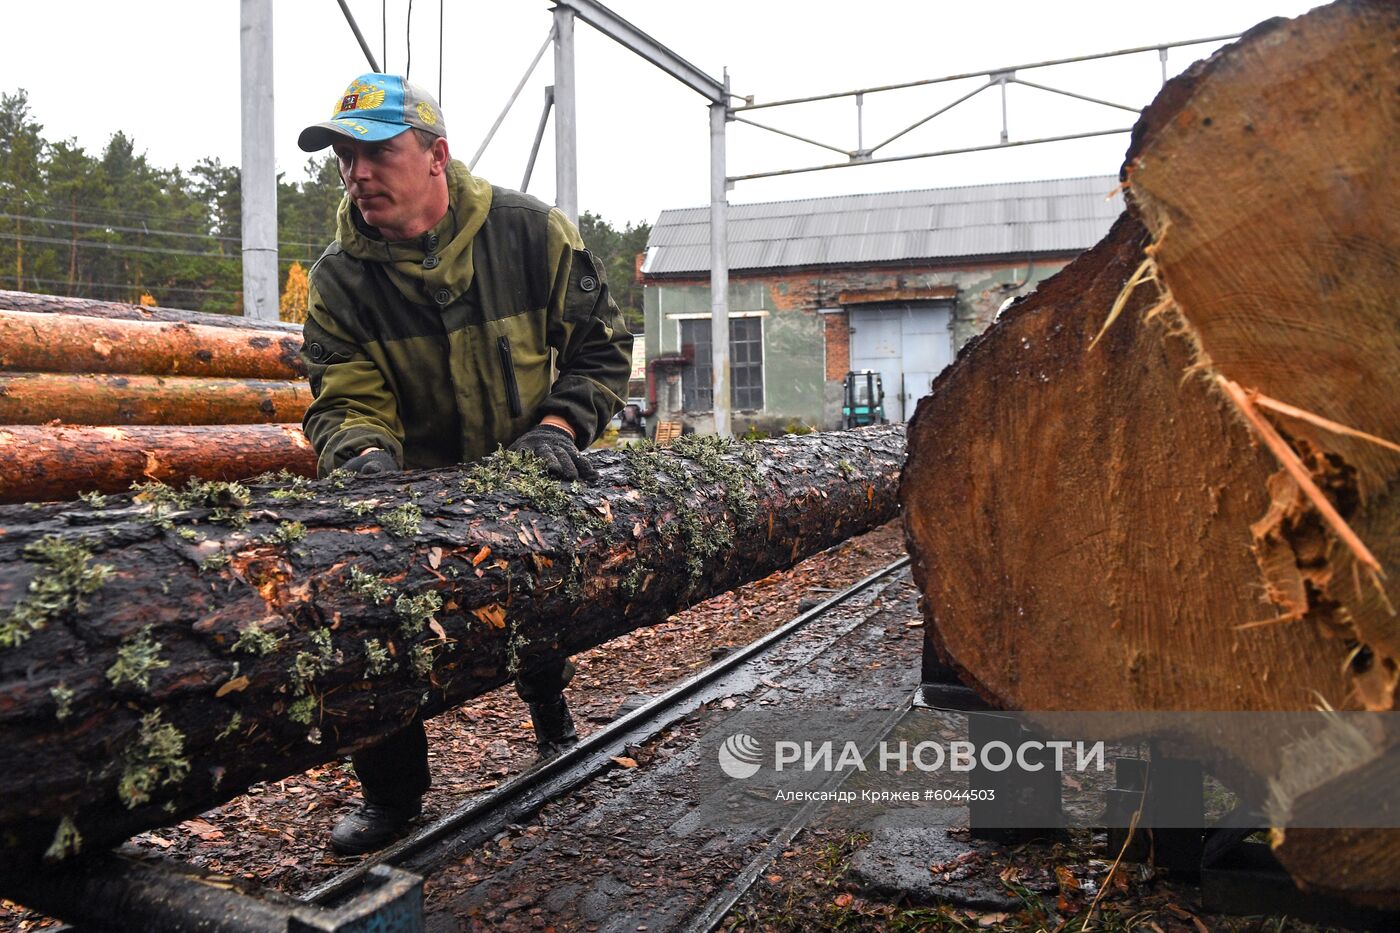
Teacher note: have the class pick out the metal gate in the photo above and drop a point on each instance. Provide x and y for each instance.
(907, 343)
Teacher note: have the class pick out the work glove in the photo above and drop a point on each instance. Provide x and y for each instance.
(372, 463)
(556, 448)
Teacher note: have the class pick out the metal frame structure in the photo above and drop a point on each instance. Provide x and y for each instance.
(716, 91)
(994, 78)
(560, 98)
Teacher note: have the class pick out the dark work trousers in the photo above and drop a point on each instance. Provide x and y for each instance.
(394, 772)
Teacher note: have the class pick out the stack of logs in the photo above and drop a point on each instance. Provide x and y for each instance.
(97, 395)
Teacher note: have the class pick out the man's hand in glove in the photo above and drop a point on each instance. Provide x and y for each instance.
(372, 463)
(555, 446)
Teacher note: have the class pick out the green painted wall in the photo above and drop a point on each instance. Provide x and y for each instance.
(794, 361)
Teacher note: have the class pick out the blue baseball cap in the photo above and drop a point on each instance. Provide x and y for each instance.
(375, 107)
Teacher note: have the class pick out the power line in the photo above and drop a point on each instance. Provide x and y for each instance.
(144, 230)
(116, 229)
(91, 211)
(132, 248)
(408, 41)
(80, 283)
(96, 212)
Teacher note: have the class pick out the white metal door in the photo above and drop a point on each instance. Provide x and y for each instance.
(907, 344)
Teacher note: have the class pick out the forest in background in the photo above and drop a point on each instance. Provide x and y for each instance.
(115, 227)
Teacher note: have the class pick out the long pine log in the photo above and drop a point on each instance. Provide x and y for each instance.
(71, 343)
(1198, 512)
(159, 655)
(123, 311)
(87, 399)
(57, 462)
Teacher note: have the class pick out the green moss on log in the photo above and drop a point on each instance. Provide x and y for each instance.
(369, 587)
(402, 522)
(253, 640)
(378, 660)
(67, 841)
(137, 658)
(416, 611)
(520, 473)
(154, 760)
(66, 578)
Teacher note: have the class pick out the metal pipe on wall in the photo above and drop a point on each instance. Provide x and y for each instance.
(565, 121)
(258, 169)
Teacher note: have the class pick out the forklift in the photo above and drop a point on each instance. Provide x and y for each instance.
(865, 399)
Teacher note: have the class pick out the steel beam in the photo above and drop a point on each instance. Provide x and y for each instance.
(621, 31)
(929, 155)
(491, 133)
(539, 137)
(719, 269)
(988, 72)
(364, 46)
(565, 115)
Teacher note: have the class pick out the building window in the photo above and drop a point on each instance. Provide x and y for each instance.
(745, 364)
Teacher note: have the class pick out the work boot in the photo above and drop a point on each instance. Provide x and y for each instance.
(373, 826)
(554, 727)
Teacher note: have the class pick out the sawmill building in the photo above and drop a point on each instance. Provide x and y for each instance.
(893, 282)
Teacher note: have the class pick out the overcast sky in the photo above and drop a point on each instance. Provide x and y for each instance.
(167, 73)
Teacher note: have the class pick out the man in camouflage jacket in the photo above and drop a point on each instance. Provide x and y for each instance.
(448, 318)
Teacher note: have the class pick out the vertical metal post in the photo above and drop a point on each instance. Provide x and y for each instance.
(719, 265)
(1162, 54)
(1004, 130)
(565, 120)
(860, 124)
(259, 171)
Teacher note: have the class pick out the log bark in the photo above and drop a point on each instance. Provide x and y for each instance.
(53, 462)
(70, 343)
(1108, 528)
(244, 636)
(45, 398)
(119, 310)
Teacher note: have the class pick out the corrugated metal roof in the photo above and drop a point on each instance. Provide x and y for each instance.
(1053, 216)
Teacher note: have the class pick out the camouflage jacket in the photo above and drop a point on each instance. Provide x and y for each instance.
(442, 348)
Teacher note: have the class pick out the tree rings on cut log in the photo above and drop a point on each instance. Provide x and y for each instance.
(1201, 512)
(1268, 183)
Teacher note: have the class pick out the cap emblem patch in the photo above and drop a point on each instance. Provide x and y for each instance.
(361, 97)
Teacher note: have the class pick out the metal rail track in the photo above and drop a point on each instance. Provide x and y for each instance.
(712, 913)
(476, 821)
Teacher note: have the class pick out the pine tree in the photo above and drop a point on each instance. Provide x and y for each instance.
(295, 296)
(21, 151)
